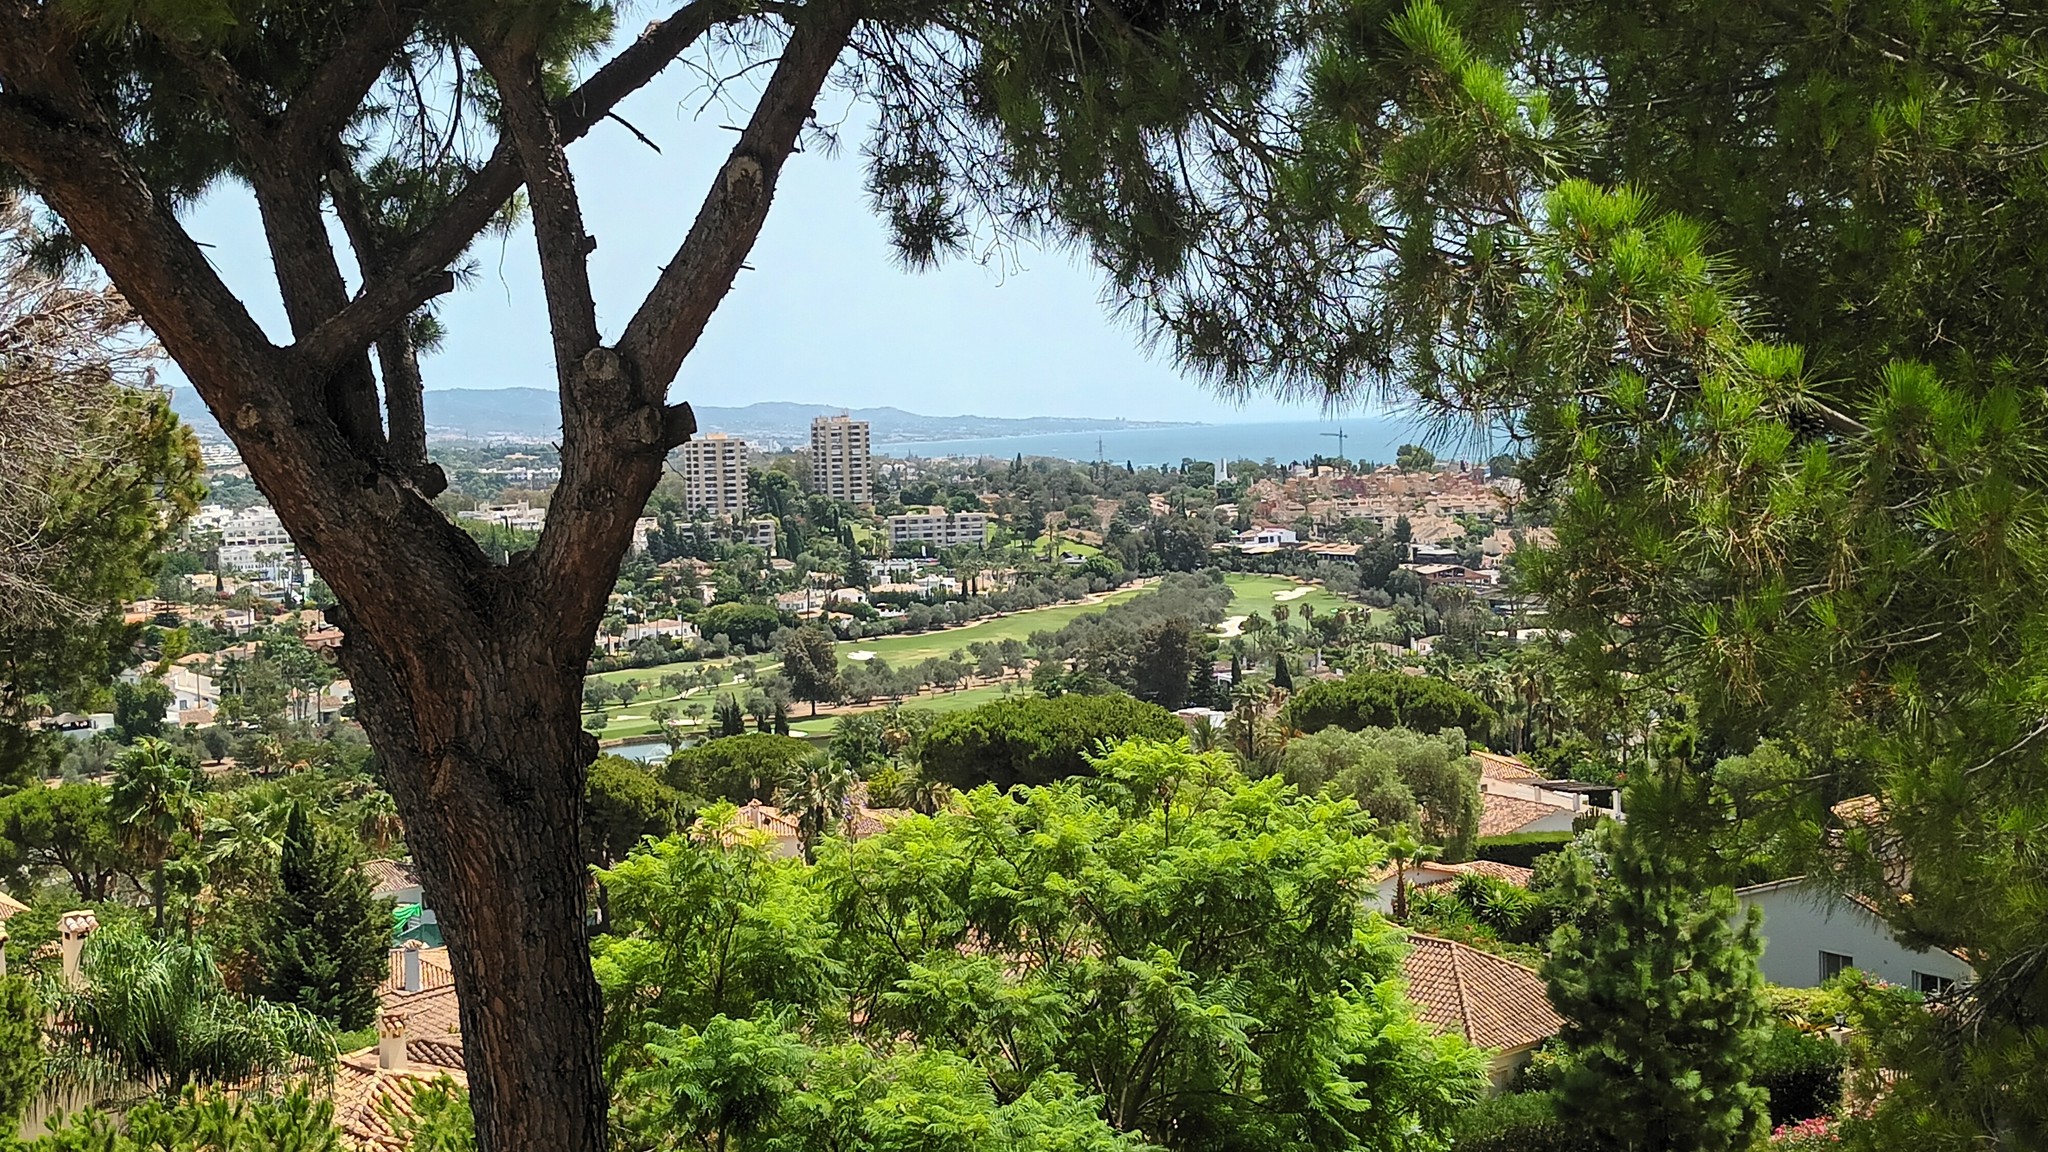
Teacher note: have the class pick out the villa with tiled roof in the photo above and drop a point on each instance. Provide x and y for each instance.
(1496, 1004)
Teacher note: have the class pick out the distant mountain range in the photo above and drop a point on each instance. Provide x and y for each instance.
(535, 414)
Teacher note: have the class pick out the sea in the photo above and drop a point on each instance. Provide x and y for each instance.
(1367, 438)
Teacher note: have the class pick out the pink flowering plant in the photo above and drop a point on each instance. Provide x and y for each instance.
(1806, 1136)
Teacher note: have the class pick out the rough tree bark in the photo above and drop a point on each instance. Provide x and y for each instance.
(468, 674)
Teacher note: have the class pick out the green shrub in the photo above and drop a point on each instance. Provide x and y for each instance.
(1389, 700)
(1516, 1122)
(1035, 740)
(1521, 848)
(1802, 1072)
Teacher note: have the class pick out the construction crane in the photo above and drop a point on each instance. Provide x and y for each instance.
(1339, 434)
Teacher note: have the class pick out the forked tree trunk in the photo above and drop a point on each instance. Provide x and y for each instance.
(497, 839)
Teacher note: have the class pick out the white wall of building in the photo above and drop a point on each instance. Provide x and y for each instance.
(1802, 920)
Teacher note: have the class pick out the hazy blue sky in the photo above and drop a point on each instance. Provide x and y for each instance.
(826, 316)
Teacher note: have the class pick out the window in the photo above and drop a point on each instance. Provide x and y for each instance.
(1928, 984)
(1832, 964)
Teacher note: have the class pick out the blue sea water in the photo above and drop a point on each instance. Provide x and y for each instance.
(1372, 438)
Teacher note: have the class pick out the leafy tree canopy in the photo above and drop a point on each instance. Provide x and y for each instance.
(1036, 740)
(1221, 986)
(1387, 700)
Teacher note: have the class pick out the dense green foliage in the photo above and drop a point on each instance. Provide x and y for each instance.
(750, 625)
(749, 766)
(324, 946)
(812, 665)
(297, 1121)
(1522, 849)
(940, 985)
(21, 1049)
(69, 830)
(623, 803)
(1801, 1072)
(157, 1012)
(1396, 775)
(1518, 1122)
(1388, 700)
(1035, 740)
(1659, 991)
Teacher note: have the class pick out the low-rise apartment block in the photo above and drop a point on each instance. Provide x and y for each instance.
(940, 527)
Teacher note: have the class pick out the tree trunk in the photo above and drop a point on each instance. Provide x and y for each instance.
(488, 772)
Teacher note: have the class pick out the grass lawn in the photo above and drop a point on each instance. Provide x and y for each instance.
(1066, 545)
(910, 648)
(1255, 593)
(653, 674)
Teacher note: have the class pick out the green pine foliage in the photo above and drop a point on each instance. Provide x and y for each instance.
(1660, 993)
(326, 944)
(1388, 700)
(21, 1049)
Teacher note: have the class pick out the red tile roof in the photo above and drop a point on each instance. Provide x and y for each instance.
(1503, 815)
(1491, 1001)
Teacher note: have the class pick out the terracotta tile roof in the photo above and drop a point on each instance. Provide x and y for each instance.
(864, 822)
(388, 877)
(1492, 869)
(366, 1096)
(1494, 766)
(430, 1015)
(434, 970)
(1491, 1001)
(1502, 815)
(9, 906)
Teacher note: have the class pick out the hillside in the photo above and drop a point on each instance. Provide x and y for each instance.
(532, 414)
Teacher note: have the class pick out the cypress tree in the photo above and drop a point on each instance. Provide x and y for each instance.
(1658, 985)
(327, 941)
(731, 718)
(781, 718)
(1282, 677)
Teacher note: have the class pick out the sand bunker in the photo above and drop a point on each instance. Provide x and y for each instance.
(864, 654)
(1293, 593)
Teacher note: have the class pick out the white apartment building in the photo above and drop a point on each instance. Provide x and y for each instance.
(840, 465)
(940, 527)
(760, 532)
(253, 540)
(715, 475)
(520, 515)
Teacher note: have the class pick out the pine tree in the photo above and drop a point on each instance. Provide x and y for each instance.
(1658, 986)
(327, 940)
(1282, 677)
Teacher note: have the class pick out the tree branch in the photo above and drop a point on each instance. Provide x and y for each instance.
(418, 270)
(672, 318)
(332, 97)
(558, 230)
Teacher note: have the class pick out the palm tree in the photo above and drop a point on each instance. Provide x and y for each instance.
(244, 843)
(377, 822)
(156, 1012)
(1406, 850)
(155, 796)
(816, 792)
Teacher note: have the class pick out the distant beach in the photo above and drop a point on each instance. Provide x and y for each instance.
(1371, 438)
